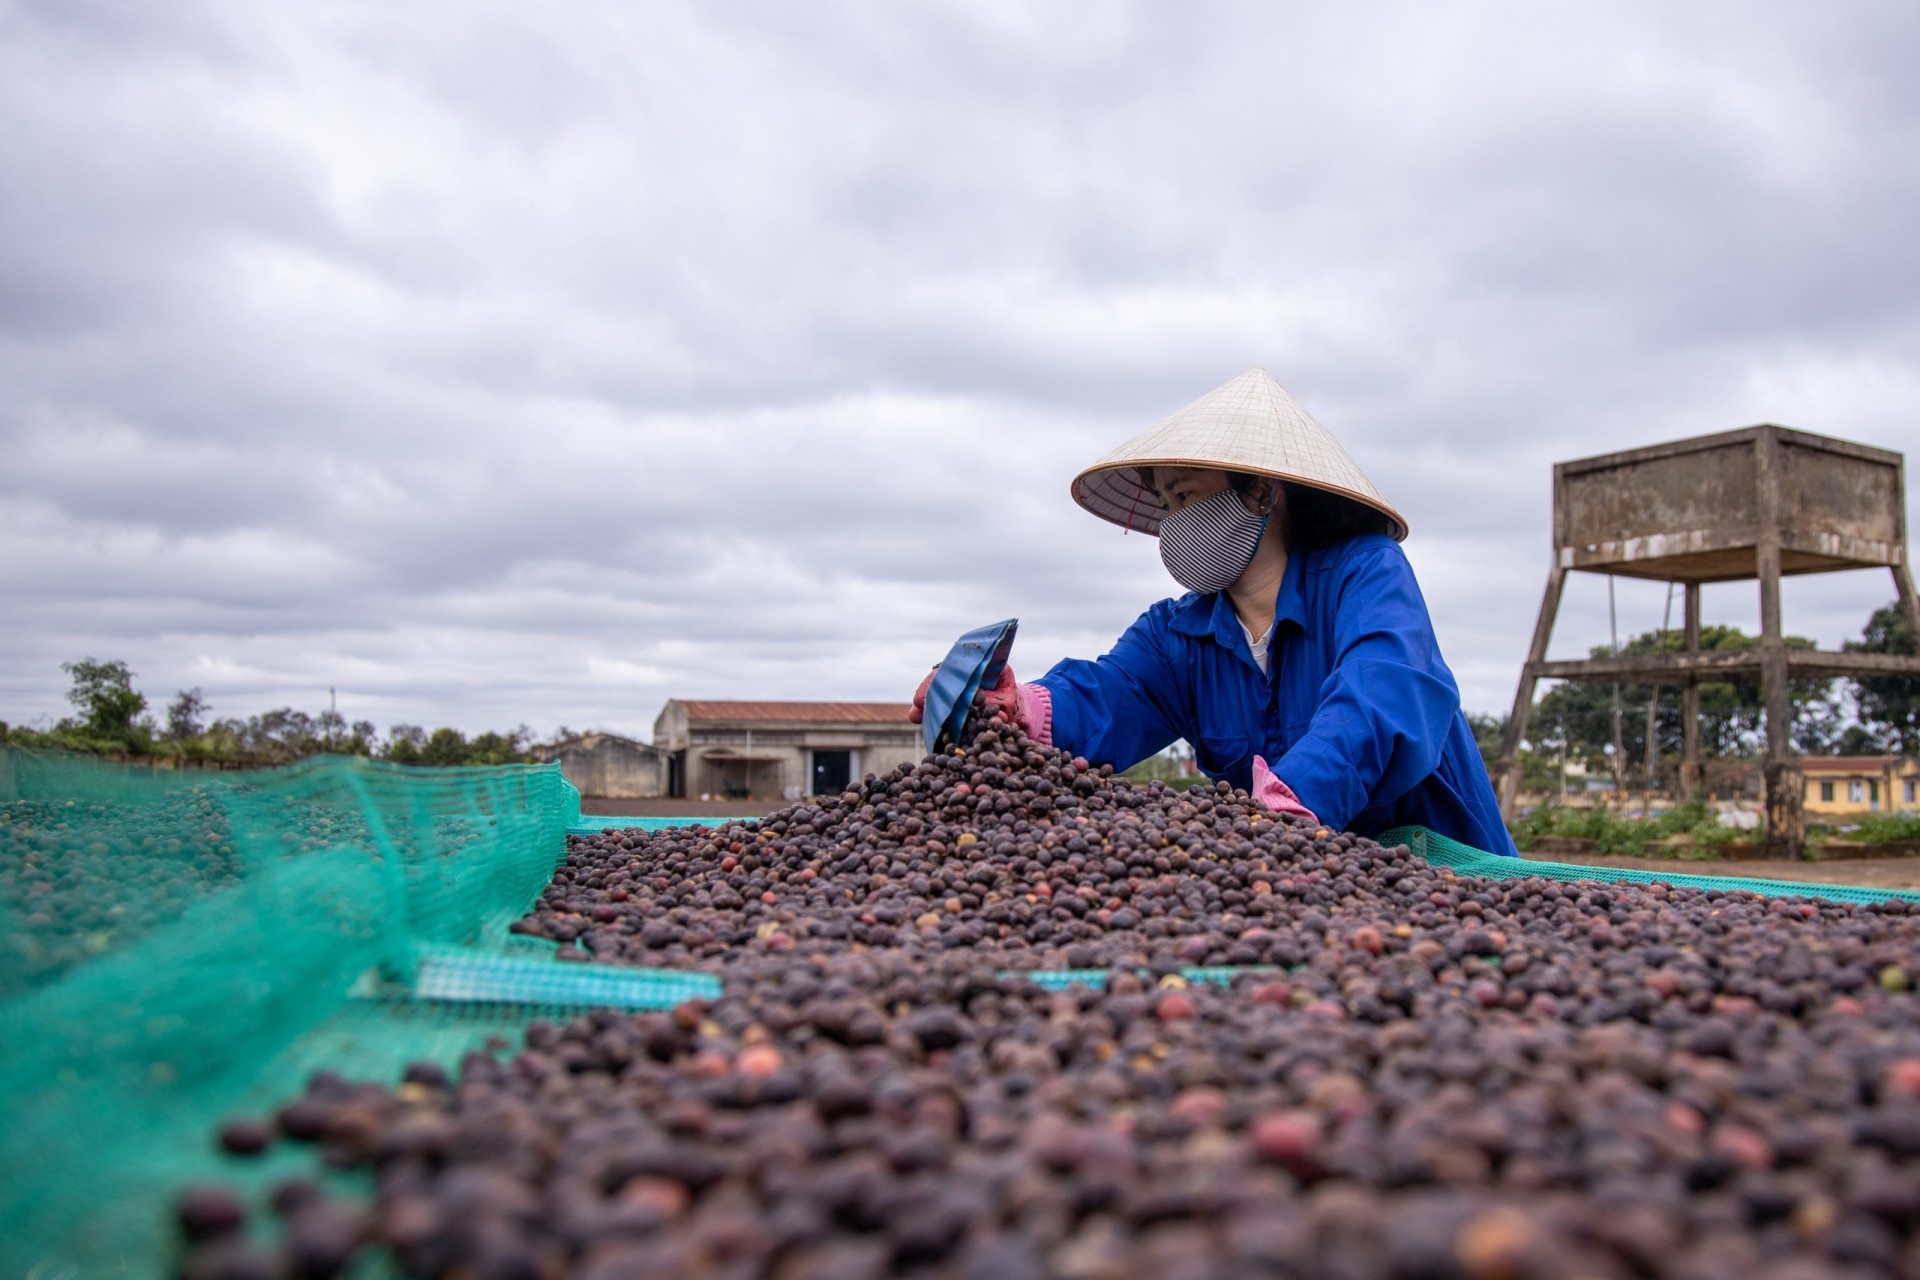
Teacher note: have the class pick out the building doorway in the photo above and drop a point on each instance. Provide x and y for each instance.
(677, 775)
(831, 772)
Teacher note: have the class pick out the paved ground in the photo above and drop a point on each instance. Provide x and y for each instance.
(1878, 873)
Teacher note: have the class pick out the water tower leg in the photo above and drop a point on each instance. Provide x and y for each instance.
(1690, 706)
(1507, 769)
(1909, 603)
(1786, 814)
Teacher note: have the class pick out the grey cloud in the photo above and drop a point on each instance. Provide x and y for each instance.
(499, 369)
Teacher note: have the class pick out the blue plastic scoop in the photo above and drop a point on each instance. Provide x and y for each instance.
(974, 663)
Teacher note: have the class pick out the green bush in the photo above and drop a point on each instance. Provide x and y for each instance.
(68, 736)
(1621, 835)
(1168, 767)
(1883, 828)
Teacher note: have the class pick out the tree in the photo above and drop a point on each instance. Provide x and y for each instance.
(184, 715)
(1577, 715)
(1829, 727)
(226, 738)
(330, 727)
(365, 739)
(1537, 772)
(1889, 705)
(1489, 734)
(1172, 763)
(104, 692)
(282, 732)
(110, 719)
(404, 742)
(446, 747)
(499, 748)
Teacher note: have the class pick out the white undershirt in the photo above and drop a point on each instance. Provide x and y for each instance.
(1258, 648)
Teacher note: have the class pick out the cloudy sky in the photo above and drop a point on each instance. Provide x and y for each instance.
(496, 363)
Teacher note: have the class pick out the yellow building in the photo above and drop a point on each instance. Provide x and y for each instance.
(1861, 784)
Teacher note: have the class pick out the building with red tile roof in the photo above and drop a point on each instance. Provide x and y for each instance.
(767, 750)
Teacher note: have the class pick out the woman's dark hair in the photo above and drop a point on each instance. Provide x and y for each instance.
(1316, 518)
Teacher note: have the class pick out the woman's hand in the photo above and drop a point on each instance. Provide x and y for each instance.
(1028, 705)
(1277, 795)
(918, 711)
(1004, 696)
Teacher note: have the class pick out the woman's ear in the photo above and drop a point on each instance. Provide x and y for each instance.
(1263, 496)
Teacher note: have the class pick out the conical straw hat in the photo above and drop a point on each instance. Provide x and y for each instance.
(1250, 424)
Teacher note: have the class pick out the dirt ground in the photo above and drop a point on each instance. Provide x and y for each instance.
(1875, 873)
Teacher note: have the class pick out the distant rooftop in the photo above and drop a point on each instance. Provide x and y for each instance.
(798, 712)
(1845, 764)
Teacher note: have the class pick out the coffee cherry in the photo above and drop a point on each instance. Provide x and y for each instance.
(1407, 1072)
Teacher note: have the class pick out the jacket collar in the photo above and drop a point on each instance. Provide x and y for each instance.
(1212, 614)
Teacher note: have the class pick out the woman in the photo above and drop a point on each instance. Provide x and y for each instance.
(1302, 665)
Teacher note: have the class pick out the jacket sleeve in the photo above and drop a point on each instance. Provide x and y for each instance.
(1121, 708)
(1385, 709)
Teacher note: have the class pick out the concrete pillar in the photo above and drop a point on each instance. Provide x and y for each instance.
(1786, 814)
(1690, 705)
(1909, 603)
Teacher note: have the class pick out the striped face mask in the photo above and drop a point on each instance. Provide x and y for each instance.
(1207, 546)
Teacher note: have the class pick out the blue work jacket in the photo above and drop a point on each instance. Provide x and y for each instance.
(1360, 716)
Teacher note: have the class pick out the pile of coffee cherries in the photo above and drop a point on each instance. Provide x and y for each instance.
(1384, 1070)
(81, 879)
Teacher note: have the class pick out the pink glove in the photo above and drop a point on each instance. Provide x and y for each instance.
(1028, 705)
(1277, 795)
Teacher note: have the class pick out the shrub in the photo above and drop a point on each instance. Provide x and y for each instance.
(1623, 835)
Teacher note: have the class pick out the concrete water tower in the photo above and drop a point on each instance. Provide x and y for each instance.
(1755, 504)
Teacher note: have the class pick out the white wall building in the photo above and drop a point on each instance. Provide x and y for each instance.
(779, 750)
(606, 766)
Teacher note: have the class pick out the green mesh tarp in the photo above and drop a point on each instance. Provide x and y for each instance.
(173, 942)
(593, 824)
(464, 976)
(1219, 975)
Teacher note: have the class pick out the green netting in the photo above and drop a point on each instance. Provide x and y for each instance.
(1219, 975)
(593, 824)
(466, 976)
(167, 939)
(1466, 860)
